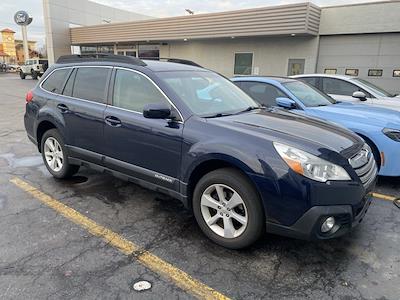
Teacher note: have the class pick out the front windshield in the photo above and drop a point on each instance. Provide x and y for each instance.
(380, 91)
(208, 94)
(308, 95)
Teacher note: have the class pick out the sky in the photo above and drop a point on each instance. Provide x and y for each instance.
(156, 8)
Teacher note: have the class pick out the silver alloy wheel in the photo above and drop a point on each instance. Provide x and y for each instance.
(224, 211)
(53, 154)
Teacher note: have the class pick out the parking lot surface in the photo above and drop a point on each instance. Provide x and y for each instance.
(94, 236)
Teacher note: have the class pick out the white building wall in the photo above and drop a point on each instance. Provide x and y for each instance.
(363, 52)
(361, 18)
(270, 54)
(60, 15)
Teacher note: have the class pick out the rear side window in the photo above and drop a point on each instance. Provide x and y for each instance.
(310, 80)
(264, 93)
(55, 82)
(91, 83)
(133, 91)
(70, 84)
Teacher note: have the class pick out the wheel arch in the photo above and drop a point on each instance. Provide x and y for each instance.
(212, 164)
(43, 126)
(374, 147)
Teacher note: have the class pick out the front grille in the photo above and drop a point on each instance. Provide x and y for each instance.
(364, 165)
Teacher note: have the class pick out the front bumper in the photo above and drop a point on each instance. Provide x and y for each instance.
(308, 226)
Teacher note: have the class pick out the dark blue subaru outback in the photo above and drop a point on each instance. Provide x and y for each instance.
(192, 134)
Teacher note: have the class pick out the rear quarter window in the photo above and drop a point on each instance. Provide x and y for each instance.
(55, 82)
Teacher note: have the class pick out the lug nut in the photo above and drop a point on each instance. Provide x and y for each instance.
(227, 215)
(219, 207)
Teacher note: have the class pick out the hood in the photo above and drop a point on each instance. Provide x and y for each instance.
(360, 113)
(293, 129)
(388, 102)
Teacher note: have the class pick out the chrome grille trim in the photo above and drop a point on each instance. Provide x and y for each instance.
(364, 165)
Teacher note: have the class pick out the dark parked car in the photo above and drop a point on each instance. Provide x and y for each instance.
(192, 134)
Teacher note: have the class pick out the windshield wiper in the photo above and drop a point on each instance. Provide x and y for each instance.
(250, 108)
(218, 115)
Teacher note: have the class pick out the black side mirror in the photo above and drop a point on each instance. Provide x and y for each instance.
(157, 111)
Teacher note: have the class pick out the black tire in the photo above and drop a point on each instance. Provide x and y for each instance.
(255, 212)
(67, 169)
(34, 75)
(22, 75)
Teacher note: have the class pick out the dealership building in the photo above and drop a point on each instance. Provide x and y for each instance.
(360, 39)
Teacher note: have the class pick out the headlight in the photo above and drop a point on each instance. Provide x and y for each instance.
(309, 165)
(393, 134)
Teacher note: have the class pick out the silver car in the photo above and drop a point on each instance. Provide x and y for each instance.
(352, 89)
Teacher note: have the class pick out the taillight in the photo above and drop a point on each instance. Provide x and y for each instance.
(29, 97)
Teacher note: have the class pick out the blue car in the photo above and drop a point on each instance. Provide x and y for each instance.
(379, 127)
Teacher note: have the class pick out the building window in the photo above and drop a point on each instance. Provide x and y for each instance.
(296, 66)
(396, 73)
(149, 51)
(330, 71)
(375, 72)
(243, 64)
(351, 72)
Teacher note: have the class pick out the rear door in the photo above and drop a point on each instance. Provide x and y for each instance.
(148, 149)
(82, 105)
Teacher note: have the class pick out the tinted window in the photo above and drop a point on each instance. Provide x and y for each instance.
(133, 91)
(70, 84)
(310, 80)
(54, 83)
(91, 83)
(264, 93)
(338, 87)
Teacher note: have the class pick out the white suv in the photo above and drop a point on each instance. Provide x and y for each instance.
(351, 89)
(34, 67)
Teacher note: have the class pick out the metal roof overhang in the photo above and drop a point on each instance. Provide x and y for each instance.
(299, 19)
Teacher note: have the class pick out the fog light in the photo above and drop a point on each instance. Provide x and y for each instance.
(328, 224)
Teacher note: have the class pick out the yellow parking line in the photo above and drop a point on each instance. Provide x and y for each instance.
(149, 260)
(384, 197)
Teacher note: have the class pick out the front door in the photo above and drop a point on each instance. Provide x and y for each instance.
(148, 149)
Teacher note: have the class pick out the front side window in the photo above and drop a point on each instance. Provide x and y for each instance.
(264, 93)
(338, 87)
(54, 83)
(243, 64)
(133, 91)
(206, 93)
(308, 95)
(91, 84)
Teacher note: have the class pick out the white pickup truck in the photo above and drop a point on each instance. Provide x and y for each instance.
(34, 67)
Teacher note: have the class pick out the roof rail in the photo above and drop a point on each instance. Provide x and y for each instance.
(176, 60)
(77, 58)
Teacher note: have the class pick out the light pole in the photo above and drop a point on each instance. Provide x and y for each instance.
(23, 19)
